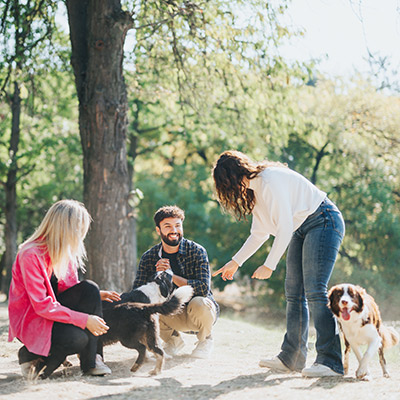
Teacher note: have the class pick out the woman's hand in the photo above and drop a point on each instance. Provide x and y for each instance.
(228, 270)
(262, 272)
(109, 295)
(96, 325)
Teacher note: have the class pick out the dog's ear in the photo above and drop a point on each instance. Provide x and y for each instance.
(333, 297)
(359, 299)
(165, 286)
(163, 289)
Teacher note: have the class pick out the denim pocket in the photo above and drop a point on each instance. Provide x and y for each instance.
(335, 218)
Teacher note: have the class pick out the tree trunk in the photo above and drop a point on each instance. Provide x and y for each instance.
(97, 31)
(11, 190)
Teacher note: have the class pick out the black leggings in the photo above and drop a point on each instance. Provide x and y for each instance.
(67, 339)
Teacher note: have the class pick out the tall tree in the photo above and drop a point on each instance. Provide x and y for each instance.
(97, 33)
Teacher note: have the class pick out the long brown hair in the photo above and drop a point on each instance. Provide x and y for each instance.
(228, 173)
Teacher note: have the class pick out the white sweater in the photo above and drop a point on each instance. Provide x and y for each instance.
(283, 201)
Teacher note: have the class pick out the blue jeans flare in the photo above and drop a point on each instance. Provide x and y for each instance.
(310, 260)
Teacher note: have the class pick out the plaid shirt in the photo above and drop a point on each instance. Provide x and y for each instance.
(193, 263)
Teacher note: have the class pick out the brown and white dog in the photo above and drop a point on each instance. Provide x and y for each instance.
(360, 321)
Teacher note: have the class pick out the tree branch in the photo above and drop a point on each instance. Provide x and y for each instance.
(354, 260)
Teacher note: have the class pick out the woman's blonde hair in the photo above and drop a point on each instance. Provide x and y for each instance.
(61, 234)
(230, 172)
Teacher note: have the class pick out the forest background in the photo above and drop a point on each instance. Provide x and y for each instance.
(127, 125)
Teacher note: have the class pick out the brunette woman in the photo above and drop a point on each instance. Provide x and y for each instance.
(303, 220)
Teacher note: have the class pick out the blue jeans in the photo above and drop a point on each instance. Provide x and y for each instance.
(310, 260)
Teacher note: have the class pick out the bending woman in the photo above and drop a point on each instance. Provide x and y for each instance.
(301, 218)
(50, 311)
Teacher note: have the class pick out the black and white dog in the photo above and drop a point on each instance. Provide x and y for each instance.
(133, 320)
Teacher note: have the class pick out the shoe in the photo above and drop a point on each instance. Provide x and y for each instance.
(174, 345)
(100, 368)
(32, 370)
(26, 369)
(274, 363)
(319, 370)
(204, 348)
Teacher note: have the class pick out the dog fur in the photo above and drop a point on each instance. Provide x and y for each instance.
(361, 323)
(135, 324)
(156, 291)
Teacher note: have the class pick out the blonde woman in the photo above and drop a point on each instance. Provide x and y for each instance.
(50, 311)
(303, 220)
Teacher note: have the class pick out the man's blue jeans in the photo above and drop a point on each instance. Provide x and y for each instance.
(310, 260)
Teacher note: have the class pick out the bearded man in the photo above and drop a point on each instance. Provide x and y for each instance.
(188, 263)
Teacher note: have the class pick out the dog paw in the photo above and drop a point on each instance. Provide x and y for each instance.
(363, 374)
(155, 371)
(386, 375)
(135, 367)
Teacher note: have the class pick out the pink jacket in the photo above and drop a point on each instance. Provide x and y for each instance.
(32, 305)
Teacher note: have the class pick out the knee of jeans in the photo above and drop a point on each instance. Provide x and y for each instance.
(90, 285)
(292, 293)
(79, 341)
(90, 288)
(317, 296)
(295, 298)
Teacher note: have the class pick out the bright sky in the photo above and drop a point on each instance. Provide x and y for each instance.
(340, 32)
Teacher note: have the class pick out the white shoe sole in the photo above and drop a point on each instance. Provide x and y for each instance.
(274, 364)
(324, 373)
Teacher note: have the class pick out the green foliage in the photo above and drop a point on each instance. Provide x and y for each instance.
(50, 158)
(204, 77)
(47, 162)
(352, 128)
(334, 134)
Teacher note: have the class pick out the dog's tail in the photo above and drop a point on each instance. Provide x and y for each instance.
(173, 305)
(390, 337)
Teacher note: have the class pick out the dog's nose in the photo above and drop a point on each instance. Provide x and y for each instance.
(344, 302)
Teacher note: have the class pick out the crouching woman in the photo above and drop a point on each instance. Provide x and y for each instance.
(50, 311)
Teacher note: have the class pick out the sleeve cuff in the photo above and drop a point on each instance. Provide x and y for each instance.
(236, 261)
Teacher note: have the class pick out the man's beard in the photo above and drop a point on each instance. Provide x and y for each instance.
(171, 242)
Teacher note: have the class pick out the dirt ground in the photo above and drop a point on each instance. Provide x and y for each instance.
(232, 372)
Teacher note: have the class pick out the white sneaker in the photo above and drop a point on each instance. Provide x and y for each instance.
(204, 348)
(319, 370)
(274, 363)
(100, 368)
(174, 345)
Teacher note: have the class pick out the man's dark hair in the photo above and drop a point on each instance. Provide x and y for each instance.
(168, 212)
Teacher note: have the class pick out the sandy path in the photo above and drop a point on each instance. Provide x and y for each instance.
(231, 373)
